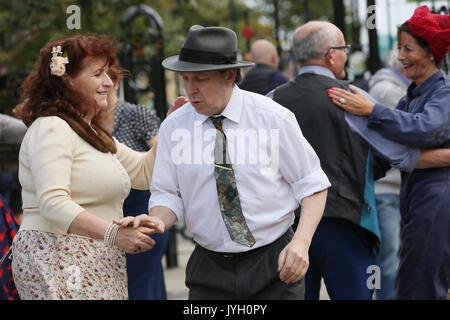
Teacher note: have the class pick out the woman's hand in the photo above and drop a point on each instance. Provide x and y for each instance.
(154, 224)
(134, 240)
(179, 102)
(354, 103)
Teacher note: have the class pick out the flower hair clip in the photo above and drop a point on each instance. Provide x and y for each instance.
(59, 61)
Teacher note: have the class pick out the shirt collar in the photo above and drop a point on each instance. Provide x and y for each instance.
(414, 91)
(315, 69)
(232, 111)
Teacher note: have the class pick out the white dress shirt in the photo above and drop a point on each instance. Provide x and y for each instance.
(275, 168)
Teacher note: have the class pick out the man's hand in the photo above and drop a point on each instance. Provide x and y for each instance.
(293, 261)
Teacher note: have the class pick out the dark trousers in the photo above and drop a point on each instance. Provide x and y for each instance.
(340, 253)
(249, 275)
(424, 270)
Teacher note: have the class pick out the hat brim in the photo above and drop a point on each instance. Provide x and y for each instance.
(174, 64)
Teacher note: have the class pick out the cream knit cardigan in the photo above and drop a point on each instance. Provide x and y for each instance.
(62, 175)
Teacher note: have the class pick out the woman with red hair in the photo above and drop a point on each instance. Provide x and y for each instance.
(74, 179)
(421, 120)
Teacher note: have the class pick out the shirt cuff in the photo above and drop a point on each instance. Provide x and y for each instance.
(315, 182)
(164, 199)
(409, 162)
(375, 116)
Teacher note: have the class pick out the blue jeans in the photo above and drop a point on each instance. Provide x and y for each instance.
(388, 256)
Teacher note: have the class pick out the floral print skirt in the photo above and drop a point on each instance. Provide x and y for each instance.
(48, 266)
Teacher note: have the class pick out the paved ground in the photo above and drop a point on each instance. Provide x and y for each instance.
(174, 277)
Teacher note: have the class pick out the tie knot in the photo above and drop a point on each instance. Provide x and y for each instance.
(217, 121)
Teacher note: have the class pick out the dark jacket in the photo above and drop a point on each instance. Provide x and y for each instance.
(343, 155)
(259, 79)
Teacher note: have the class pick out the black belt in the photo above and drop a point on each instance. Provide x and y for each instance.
(229, 255)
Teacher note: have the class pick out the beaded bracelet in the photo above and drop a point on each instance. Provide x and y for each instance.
(110, 234)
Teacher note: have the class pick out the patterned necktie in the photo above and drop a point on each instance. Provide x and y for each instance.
(229, 202)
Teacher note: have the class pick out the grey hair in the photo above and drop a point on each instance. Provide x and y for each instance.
(314, 46)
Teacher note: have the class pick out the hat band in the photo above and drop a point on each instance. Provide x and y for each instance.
(207, 57)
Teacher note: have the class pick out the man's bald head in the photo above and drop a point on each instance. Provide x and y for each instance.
(312, 40)
(264, 51)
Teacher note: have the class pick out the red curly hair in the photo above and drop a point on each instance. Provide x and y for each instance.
(44, 92)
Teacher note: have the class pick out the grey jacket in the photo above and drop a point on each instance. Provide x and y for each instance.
(12, 130)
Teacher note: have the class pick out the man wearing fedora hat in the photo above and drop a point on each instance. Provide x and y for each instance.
(239, 205)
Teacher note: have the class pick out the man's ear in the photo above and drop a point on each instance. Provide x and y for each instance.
(329, 58)
(274, 60)
(231, 75)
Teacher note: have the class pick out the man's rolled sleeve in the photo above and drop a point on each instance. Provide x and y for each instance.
(165, 199)
(315, 182)
(299, 163)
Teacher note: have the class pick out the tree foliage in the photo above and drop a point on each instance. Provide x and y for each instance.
(292, 14)
(26, 25)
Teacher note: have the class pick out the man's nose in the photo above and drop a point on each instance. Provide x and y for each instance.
(190, 88)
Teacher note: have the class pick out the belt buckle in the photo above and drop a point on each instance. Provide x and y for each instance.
(227, 255)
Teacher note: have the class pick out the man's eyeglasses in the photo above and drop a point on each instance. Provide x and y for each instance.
(346, 49)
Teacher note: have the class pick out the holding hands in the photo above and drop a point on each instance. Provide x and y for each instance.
(133, 235)
(134, 240)
(354, 103)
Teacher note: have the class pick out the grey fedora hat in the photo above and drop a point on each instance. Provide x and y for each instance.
(206, 49)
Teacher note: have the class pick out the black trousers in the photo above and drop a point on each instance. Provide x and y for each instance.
(233, 276)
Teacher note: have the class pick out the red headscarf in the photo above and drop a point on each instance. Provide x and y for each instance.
(433, 28)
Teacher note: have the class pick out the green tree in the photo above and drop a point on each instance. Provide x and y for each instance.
(26, 25)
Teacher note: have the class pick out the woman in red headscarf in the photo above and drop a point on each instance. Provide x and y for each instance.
(422, 120)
